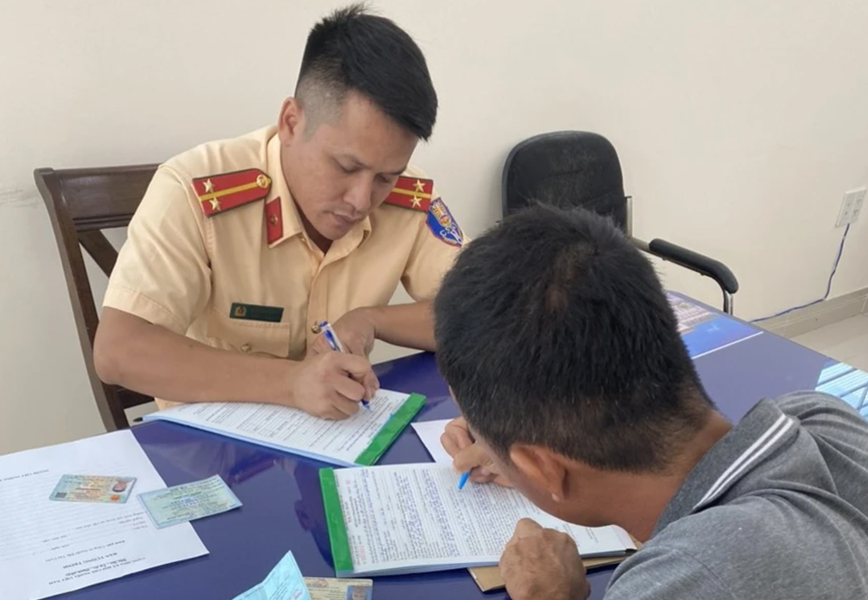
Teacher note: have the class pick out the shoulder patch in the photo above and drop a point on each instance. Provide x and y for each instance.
(412, 192)
(443, 225)
(219, 193)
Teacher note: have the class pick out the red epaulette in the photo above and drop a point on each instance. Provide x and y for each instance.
(412, 193)
(219, 193)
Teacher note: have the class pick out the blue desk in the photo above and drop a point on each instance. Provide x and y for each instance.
(282, 503)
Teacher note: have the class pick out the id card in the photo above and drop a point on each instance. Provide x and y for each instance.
(326, 588)
(93, 488)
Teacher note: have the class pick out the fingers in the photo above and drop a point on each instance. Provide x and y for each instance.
(335, 407)
(339, 366)
(526, 528)
(346, 407)
(470, 458)
(502, 481)
(349, 389)
(357, 367)
(542, 563)
(467, 456)
(454, 444)
(331, 414)
(356, 347)
(483, 475)
(450, 444)
(475, 460)
(456, 437)
(372, 384)
(319, 346)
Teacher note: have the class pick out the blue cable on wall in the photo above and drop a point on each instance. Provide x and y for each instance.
(828, 285)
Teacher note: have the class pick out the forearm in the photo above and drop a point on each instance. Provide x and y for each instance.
(155, 361)
(407, 325)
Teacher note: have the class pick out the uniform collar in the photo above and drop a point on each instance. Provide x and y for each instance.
(291, 220)
(757, 436)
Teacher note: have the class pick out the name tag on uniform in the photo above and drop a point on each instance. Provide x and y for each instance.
(255, 312)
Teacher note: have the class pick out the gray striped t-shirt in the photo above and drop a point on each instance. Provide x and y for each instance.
(777, 510)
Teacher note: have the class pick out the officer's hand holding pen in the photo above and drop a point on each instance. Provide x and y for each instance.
(356, 335)
(335, 344)
(328, 385)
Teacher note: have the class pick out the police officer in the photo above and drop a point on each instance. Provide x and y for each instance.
(242, 247)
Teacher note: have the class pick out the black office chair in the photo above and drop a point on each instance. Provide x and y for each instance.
(581, 169)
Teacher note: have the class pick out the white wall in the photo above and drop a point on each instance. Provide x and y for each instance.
(740, 125)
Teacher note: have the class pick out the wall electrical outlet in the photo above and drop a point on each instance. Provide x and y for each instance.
(851, 207)
(857, 206)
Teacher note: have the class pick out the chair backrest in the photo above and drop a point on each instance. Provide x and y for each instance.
(81, 203)
(566, 169)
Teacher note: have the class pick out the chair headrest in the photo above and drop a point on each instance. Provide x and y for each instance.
(565, 168)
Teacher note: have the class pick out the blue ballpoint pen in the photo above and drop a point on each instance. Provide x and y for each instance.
(335, 344)
(464, 476)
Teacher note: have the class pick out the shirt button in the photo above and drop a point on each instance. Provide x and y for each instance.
(246, 348)
(315, 329)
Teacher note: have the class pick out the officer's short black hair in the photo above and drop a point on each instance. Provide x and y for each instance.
(352, 50)
(553, 330)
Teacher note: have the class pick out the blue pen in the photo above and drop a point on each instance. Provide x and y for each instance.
(463, 481)
(335, 344)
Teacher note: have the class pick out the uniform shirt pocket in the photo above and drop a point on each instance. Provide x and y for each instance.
(249, 337)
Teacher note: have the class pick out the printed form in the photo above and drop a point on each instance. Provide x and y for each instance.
(283, 428)
(49, 548)
(413, 518)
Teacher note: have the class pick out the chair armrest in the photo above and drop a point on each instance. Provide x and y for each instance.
(694, 261)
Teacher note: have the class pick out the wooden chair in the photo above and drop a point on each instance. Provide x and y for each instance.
(81, 203)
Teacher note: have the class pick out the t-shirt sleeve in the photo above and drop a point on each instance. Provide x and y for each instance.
(658, 573)
(839, 432)
(438, 242)
(163, 272)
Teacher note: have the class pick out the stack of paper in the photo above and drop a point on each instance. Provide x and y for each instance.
(360, 440)
(61, 529)
(413, 518)
(488, 578)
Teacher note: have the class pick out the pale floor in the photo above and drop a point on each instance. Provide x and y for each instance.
(845, 341)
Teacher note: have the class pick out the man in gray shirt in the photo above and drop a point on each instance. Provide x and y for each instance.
(561, 350)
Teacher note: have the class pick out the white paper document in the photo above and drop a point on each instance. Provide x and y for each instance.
(49, 548)
(429, 432)
(413, 519)
(359, 440)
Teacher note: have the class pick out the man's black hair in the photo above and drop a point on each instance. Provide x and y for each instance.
(553, 330)
(351, 50)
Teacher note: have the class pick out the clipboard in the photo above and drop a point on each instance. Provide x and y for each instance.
(488, 579)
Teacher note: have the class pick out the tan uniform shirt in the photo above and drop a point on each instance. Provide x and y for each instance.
(249, 280)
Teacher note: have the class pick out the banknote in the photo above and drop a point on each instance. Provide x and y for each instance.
(189, 501)
(93, 488)
(326, 588)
